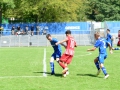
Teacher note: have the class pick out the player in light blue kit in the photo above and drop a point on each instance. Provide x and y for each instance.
(101, 43)
(109, 38)
(57, 52)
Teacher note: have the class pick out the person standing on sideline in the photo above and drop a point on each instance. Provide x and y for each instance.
(32, 30)
(66, 58)
(101, 43)
(12, 30)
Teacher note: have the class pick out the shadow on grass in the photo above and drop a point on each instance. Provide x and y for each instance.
(49, 73)
(90, 75)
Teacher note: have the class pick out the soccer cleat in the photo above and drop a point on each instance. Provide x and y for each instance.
(98, 72)
(64, 75)
(67, 73)
(64, 70)
(52, 73)
(106, 76)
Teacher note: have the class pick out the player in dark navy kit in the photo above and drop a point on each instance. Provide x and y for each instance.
(57, 52)
(101, 43)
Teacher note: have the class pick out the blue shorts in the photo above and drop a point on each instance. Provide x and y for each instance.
(56, 55)
(102, 57)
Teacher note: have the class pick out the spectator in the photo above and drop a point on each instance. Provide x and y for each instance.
(38, 29)
(26, 30)
(12, 30)
(44, 32)
(32, 30)
(18, 30)
(1, 29)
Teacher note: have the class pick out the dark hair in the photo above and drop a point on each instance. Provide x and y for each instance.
(118, 30)
(48, 35)
(108, 30)
(68, 32)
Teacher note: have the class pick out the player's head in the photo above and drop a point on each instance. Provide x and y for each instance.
(97, 35)
(118, 31)
(68, 32)
(49, 37)
(108, 30)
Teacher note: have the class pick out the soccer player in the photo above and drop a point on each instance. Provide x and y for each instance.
(118, 44)
(57, 52)
(66, 58)
(99, 61)
(109, 38)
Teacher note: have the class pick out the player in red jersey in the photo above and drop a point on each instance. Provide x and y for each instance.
(118, 44)
(66, 58)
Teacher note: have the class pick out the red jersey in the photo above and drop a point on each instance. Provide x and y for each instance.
(119, 36)
(70, 45)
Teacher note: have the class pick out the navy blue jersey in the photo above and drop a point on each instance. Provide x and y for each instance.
(101, 43)
(57, 48)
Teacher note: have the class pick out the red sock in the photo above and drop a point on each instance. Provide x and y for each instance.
(62, 65)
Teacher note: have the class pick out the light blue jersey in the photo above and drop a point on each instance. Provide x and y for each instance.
(101, 43)
(109, 39)
(57, 48)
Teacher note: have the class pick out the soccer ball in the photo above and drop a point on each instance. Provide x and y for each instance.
(64, 75)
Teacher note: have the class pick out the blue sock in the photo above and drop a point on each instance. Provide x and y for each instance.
(97, 65)
(52, 67)
(104, 70)
(116, 49)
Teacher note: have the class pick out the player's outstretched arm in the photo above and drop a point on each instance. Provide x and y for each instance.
(60, 42)
(92, 49)
(63, 45)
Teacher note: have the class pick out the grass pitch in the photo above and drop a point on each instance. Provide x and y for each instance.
(22, 69)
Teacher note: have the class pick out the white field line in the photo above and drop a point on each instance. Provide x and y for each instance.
(20, 77)
(44, 64)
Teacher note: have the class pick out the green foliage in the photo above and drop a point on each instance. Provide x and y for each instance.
(105, 10)
(61, 10)
(48, 10)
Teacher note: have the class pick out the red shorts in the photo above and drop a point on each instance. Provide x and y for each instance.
(66, 58)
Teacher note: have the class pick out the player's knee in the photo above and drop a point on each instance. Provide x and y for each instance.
(52, 59)
(95, 60)
(57, 59)
(101, 65)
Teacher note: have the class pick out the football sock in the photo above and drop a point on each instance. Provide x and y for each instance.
(62, 65)
(52, 66)
(116, 49)
(97, 65)
(104, 70)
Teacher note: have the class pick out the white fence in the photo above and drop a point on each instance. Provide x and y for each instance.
(40, 40)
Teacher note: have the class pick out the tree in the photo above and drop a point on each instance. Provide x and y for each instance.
(4, 6)
(104, 10)
(49, 10)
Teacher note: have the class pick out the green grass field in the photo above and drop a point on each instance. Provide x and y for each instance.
(22, 69)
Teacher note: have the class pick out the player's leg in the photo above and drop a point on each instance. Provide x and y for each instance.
(116, 48)
(62, 61)
(68, 61)
(97, 65)
(52, 64)
(102, 57)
